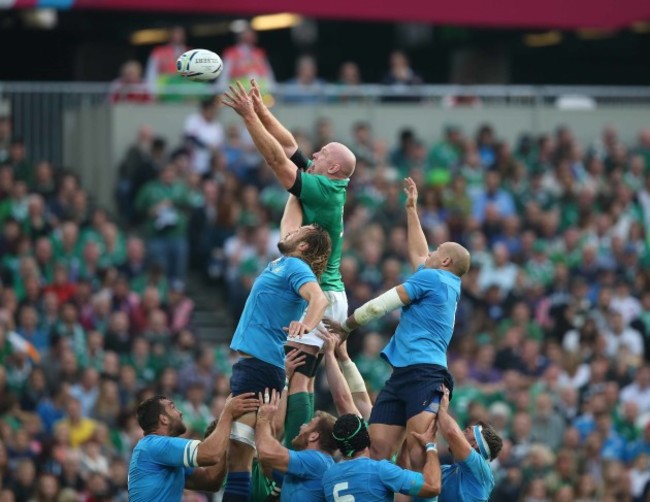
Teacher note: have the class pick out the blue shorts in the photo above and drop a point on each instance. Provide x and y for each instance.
(253, 375)
(408, 392)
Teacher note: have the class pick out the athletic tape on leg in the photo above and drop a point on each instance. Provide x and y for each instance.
(243, 433)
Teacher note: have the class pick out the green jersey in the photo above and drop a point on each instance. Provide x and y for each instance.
(322, 203)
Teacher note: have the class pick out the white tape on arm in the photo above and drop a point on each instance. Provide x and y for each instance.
(379, 307)
(352, 376)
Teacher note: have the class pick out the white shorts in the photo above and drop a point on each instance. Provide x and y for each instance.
(337, 310)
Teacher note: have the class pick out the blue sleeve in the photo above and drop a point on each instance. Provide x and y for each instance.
(188, 472)
(299, 274)
(421, 283)
(174, 452)
(400, 480)
(476, 466)
(307, 464)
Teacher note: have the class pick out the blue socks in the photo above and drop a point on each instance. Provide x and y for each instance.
(238, 487)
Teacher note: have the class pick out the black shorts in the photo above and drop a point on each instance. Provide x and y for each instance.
(408, 392)
(253, 375)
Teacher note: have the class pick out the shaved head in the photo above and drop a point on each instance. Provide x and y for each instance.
(335, 161)
(342, 155)
(450, 256)
(460, 258)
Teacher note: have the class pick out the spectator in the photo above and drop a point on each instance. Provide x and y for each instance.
(81, 428)
(165, 202)
(492, 196)
(638, 392)
(349, 79)
(204, 135)
(5, 136)
(161, 66)
(245, 61)
(400, 77)
(305, 87)
(130, 87)
(373, 368)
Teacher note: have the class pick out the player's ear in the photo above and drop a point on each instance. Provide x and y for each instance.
(303, 246)
(447, 261)
(314, 436)
(334, 168)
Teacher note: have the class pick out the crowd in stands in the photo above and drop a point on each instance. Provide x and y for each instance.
(552, 337)
(245, 60)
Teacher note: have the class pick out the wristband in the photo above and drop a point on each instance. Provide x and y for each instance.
(431, 447)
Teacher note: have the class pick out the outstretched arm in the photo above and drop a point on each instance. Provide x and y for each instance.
(459, 446)
(292, 217)
(273, 153)
(431, 470)
(417, 242)
(271, 123)
(374, 309)
(212, 451)
(354, 380)
(269, 450)
(338, 386)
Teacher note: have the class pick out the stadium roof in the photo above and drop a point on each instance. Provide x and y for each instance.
(563, 14)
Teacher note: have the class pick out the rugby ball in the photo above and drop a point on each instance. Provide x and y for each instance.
(199, 64)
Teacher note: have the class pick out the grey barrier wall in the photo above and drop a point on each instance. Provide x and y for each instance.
(74, 125)
(387, 120)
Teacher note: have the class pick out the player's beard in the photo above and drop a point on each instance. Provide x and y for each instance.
(177, 428)
(299, 442)
(287, 248)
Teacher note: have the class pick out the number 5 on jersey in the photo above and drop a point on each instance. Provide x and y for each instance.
(338, 488)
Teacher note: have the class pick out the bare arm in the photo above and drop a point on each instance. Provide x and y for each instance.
(266, 144)
(317, 303)
(417, 242)
(272, 124)
(338, 386)
(431, 470)
(459, 446)
(270, 451)
(292, 217)
(206, 479)
(212, 451)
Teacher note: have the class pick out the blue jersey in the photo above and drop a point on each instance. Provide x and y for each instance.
(427, 323)
(159, 466)
(272, 304)
(468, 481)
(303, 481)
(368, 480)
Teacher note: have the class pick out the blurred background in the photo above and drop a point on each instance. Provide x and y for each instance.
(526, 128)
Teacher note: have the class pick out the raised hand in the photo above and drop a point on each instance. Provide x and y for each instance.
(331, 340)
(444, 402)
(269, 404)
(256, 95)
(429, 435)
(411, 191)
(239, 100)
(336, 328)
(240, 405)
(293, 360)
